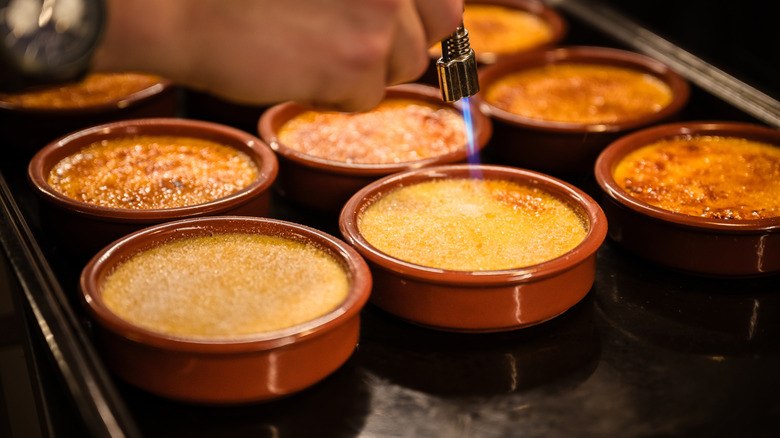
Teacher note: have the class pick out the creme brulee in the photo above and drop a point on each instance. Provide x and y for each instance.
(499, 30)
(580, 93)
(94, 89)
(225, 286)
(708, 176)
(152, 172)
(472, 225)
(396, 131)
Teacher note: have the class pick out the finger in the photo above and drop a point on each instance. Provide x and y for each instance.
(346, 89)
(408, 56)
(356, 57)
(439, 18)
(368, 98)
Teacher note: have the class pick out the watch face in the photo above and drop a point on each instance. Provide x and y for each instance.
(50, 37)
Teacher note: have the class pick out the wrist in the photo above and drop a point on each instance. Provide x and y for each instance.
(44, 44)
(142, 35)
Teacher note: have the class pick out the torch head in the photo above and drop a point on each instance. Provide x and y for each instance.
(457, 67)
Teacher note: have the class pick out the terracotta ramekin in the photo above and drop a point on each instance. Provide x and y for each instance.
(557, 25)
(29, 129)
(325, 185)
(85, 228)
(485, 301)
(251, 368)
(690, 244)
(569, 148)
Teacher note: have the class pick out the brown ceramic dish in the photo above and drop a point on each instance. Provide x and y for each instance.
(27, 127)
(252, 367)
(85, 228)
(695, 245)
(563, 147)
(479, 301)
(554, 22)
(326, 185)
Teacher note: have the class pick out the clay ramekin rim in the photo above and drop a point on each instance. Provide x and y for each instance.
(614, 152)
(130, 100)
(547, 13)
(42, 162)
(589, 208)
(270, 121)
(595, 54)
(150, 237)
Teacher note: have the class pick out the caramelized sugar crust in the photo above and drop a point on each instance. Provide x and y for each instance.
(225, 286)
(94, 89)
(397, 131)
(472, 225)
(707, 176)
(580, 93)
(152, 172)
(498, 30)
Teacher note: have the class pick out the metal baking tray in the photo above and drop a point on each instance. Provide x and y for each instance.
(648, 352)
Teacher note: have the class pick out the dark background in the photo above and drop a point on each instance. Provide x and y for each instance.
(668, 356)
(739, 37)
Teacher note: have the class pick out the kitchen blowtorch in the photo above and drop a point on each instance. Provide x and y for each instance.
(457, 67)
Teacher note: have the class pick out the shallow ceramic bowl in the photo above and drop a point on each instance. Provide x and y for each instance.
(484, 301)
(695, 245)
(325, 185)
(569, 148)
(29, 129)
(557, 25)
(85, 228)
(256, 367)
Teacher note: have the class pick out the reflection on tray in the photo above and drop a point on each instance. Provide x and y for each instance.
(556, 352)
(336, 406)
(689, 314)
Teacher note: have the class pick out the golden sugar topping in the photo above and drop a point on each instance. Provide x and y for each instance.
(152, 172)
(396, 131)
(498, 30)
(708, 176)
(580, 93)
(225, 286)
(472, 225)
(94, 89)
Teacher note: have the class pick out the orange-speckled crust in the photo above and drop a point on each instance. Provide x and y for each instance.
(580, 93)
(150, 172)
(498, 30)
(225, 286)
(472, 225)
(707, 176)
(397, 131)
(94, 89)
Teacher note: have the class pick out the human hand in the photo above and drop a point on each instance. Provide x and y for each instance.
(339, 54)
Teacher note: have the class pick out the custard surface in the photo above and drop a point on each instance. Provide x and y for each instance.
(707, 176)
(225, 286)
(94, 89)
(396, 131)
(471, 225)
(152, 172)
(498, 30)
(580, 93)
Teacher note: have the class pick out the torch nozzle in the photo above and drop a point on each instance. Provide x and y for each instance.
(457, 67)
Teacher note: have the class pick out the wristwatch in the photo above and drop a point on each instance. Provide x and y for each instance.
(47, 41)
